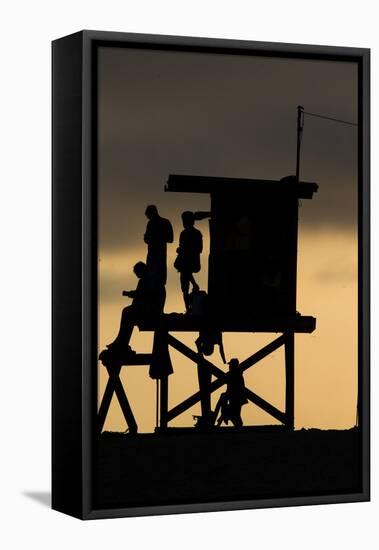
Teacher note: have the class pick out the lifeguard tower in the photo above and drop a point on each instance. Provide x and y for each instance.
(252, 277)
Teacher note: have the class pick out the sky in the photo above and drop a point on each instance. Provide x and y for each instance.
(162, 112)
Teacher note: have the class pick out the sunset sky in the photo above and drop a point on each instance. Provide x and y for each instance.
(222, 115)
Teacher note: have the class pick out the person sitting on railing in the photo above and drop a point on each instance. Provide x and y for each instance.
(148, 303)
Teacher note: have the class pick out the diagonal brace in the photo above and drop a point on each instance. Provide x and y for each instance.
(114, 385)
(223, 378)
(197, 358)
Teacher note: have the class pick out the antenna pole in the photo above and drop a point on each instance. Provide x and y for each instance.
(300, 123)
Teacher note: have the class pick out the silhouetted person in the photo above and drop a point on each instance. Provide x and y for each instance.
(208, 338)
(158, 233)
(148, 303)
(209, 334)
(232, 400)
(188, 258)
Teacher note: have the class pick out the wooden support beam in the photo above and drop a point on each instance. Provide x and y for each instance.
(104, 405)
(289, 350)
(205, 379)
(190, 401)
(262, 353)
(114, 385)
(178, 322)
(222, 377)
(157, 405)
(137, 359)
(163, 402)
(125, 406)
(266, 406)
(204, 371)
(197, 358)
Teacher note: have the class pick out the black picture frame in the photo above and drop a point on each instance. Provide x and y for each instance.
(74, 298)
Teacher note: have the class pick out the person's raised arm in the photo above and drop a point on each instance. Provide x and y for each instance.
(129, 293)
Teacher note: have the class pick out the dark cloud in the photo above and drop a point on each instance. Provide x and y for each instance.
(170, 112)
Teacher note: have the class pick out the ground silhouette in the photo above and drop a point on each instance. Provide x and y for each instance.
(230, 464)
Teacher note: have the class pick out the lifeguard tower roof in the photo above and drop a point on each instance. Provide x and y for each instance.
(210, 184)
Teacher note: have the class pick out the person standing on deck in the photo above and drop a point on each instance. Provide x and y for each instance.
(188, 259)
(158, 233)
